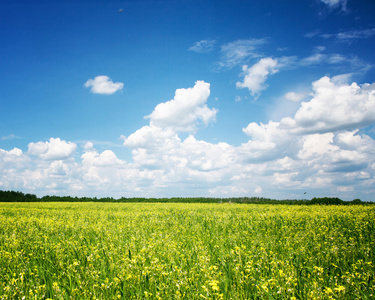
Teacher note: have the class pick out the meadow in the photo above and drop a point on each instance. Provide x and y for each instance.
(186, 251)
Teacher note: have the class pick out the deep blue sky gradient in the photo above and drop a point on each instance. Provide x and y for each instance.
(49, 49)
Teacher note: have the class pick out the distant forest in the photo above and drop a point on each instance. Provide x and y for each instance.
(12, 196)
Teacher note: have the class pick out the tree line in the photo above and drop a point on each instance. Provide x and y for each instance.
(13, 196)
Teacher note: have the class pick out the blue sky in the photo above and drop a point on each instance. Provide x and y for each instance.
(188, 98)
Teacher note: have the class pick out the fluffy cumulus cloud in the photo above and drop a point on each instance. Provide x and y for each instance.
(334, 106)
(285, 156)
(106, 158)
(12, 159)
(103, 85)
(19, 170)
(316, 149)
(321, 150)
(185, 109)
(158, 147)
(190, 160)
(255, 76)
(102, 171)
(267, 142)
(52, 149)
(151, 137)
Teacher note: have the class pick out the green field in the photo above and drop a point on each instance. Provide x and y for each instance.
(186, 251)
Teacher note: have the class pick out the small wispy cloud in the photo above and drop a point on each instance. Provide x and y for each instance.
(348, 36)
(312, 34)
(238, 99)
(294, 97)
(10, 137)
(318, 57)
(314, 59)
(103, 85)
(335, 3)
(235, 53)
(203, 46)
(344, 36)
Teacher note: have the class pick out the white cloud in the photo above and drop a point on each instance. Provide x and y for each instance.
(186, 108)
(319, 49)
(14, 158)
(352, 140)
(103, 85)
(238, 99)
(103, 171)
(106, 158)
(318, 58)
(25, 172)
(88, 146)
(52, 150)
(152, 137)
(9, 137)
(315, 145)
(355, 34)
(267, 142)
(206, 156)
(314, 59)
(237, 52)
(334, 107)
(158, 146)
(155, 147)
(294, 97)
(256, 75)
(332, 59)
(203, 46)
(228, 191)
(345, 189)
(336, 59)
(312, 34)
(335, 3)
(322, 148)
(58, 168)
(341, 79)
(350, 35)
(286, 179)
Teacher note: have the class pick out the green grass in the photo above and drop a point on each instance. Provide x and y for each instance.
(186, 251)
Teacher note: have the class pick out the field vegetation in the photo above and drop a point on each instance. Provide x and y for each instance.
(66, 250)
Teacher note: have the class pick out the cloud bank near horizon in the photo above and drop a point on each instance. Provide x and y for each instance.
(320, 149)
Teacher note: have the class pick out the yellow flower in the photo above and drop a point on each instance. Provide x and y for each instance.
(339, 289)
(214, 286)
(264, 287)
